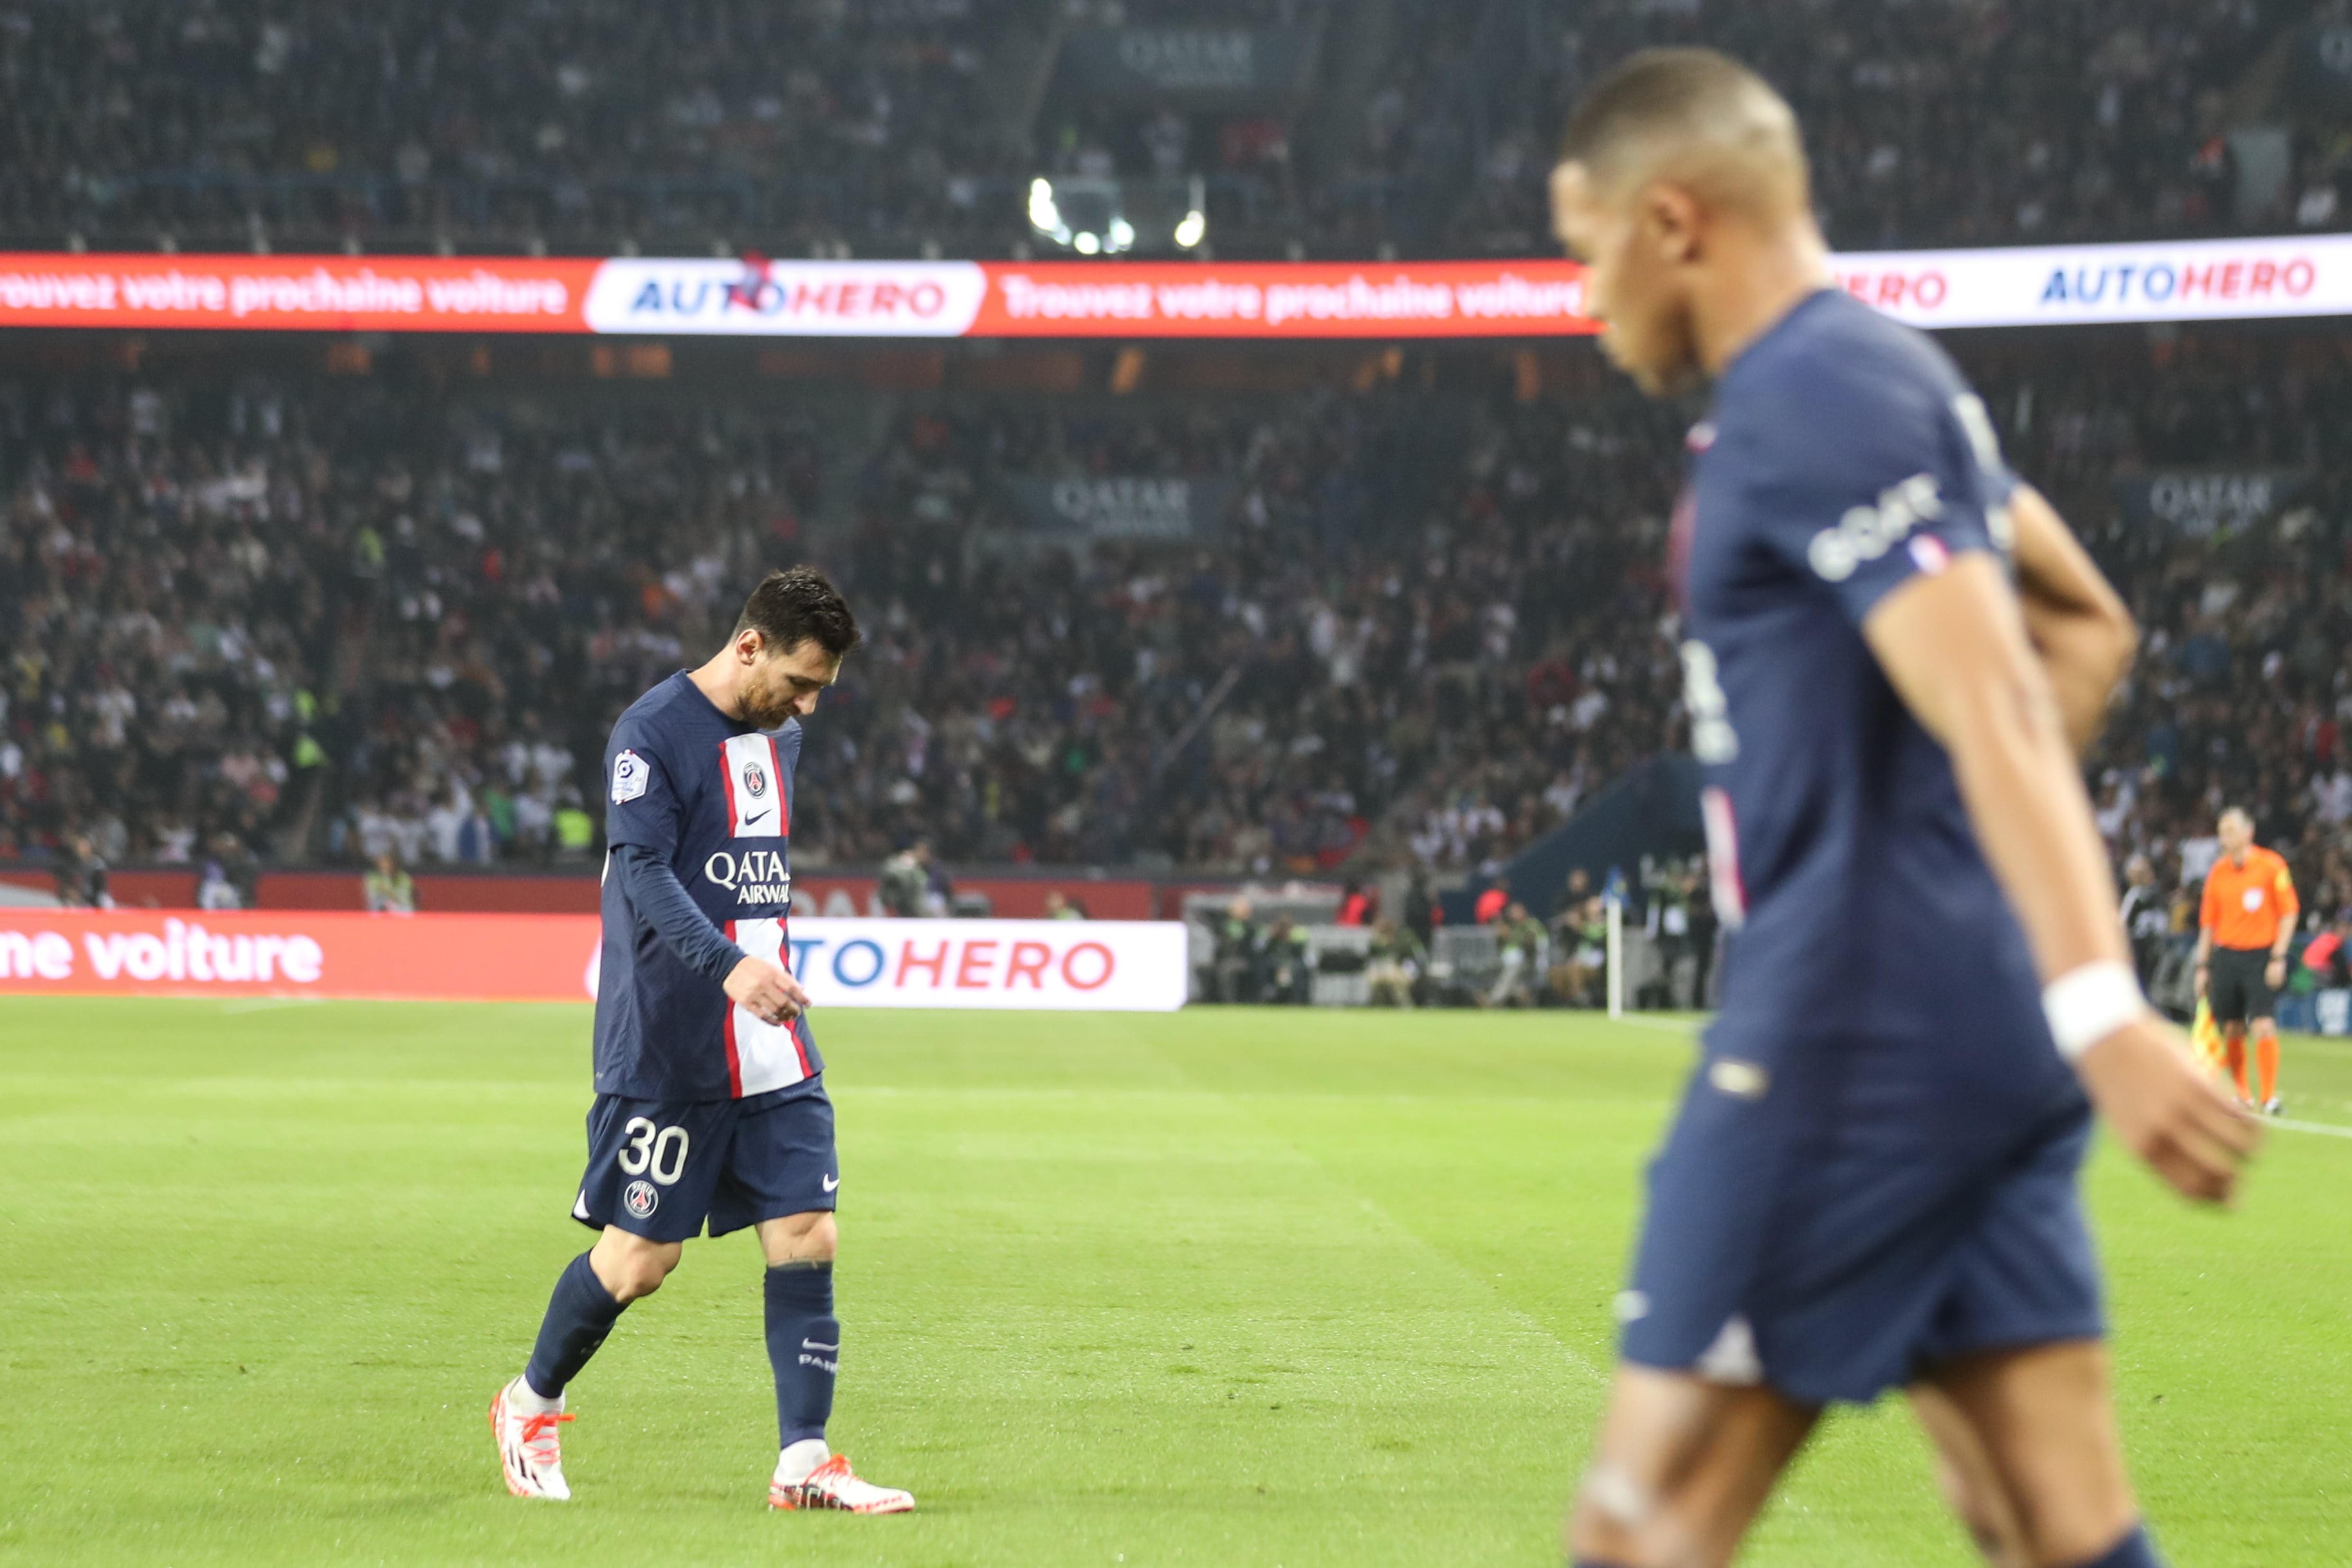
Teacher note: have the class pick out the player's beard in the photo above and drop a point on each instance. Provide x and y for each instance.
(766, 703)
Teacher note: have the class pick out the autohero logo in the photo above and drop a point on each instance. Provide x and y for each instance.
(757, 296)
(754, 877)
(1866, 532)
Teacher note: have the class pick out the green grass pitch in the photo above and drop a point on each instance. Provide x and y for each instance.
(1224, 1288)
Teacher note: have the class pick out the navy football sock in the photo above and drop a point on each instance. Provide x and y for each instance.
(579, 1315)
(804, 1346)
(2134, 1551)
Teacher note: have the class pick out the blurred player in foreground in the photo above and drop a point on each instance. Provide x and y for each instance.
(710, 1101)
(1894, 654)
(2244, 926)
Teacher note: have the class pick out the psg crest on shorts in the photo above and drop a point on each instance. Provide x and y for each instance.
(640, 1199)
(755, 780)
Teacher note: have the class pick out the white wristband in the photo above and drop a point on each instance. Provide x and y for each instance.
(2085, 1005)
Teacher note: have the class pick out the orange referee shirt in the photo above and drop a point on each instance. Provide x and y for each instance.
(2247, 906)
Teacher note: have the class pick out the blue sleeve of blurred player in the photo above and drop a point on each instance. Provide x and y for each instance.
(654, 891)
(1871, 479)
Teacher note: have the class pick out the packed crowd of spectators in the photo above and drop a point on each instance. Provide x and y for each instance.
(335, 619)
(1942, 121)
(166, 618)
(577, 123)
(1440, 660)
(887, 126)
(326, 619)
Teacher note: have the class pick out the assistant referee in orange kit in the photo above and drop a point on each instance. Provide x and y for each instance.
(2243, 929)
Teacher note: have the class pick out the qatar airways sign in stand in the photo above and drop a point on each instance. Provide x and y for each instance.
(1073, 965)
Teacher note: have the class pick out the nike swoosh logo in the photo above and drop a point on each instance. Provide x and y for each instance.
(831, 1183)
(749, 820)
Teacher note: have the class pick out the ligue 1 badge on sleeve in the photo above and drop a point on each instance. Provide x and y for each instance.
(640, 1199)
(628, 778)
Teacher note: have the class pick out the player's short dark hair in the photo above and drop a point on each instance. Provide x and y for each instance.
(799, 605)
(1655, 93)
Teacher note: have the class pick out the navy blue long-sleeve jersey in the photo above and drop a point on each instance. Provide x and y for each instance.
(711, 798)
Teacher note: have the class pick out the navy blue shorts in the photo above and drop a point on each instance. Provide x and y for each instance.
(1834, 1257)
(660, 1168)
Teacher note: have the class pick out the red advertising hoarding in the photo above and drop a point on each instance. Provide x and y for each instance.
(649, 295)
(304, 293)
(1080, 966)
(2295, 275)
(262, 953)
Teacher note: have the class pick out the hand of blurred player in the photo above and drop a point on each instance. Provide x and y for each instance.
(2168, 1111)
(766, 991)
(2204, 977)
(2274, 975)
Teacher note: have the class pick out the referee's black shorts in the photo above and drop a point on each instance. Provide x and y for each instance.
(2235, 987)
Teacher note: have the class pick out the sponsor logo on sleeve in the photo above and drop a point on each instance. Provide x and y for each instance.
(629, 777)
(1866, 532)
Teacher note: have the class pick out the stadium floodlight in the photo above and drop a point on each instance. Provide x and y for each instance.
(1045, 217)
(1192, 229)
(1084, 214)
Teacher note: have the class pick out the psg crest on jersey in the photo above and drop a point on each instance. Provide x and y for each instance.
(755, 780)
(640, 1199)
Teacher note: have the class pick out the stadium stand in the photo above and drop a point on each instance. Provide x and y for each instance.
(1953, 124)
(328, 615)
(912, 127)
(501, 124)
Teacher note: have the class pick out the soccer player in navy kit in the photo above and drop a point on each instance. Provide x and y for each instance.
(1893, 655)
(710, 1103)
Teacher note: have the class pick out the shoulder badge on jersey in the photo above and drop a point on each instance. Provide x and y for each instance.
(629, 774)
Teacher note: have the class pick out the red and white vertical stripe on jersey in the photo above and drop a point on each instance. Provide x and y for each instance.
(755, 787)
(760, 1056)
(1723, 857)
